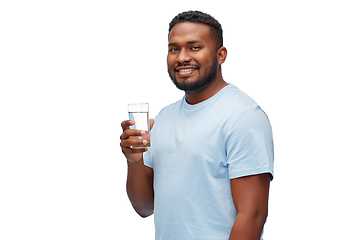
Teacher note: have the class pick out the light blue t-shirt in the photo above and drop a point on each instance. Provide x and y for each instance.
(195, 151)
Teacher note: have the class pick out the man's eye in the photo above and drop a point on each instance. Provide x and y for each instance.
(173, 50)
(195, 48)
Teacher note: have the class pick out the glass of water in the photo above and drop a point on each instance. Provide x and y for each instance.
(139, 112)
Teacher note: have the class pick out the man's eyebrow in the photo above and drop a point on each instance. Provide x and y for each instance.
(190, 42)
(195, 41)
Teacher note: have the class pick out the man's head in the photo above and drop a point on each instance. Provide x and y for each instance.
(200, 17)
(195, 50)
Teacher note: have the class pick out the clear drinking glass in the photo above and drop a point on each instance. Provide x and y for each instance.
(139, 112)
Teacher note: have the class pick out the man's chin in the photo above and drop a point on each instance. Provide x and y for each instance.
(187, 86)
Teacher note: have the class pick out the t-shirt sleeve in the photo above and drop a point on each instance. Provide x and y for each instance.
(249, 144)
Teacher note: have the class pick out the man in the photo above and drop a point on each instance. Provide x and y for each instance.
(209, 167)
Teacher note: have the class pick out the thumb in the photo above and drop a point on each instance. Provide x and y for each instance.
(151, 121)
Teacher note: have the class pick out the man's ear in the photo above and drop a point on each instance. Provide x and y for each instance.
(221, 55)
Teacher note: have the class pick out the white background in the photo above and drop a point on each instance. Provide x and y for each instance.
(69, 68)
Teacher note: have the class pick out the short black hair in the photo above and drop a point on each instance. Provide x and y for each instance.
(200, 17)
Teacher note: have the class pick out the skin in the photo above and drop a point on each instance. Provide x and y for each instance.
(191, 44)
(139, 185)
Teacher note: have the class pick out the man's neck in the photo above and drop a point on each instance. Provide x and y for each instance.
(195, 97)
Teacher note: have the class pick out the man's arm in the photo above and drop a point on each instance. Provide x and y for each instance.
(139, 187)
(250, 195)
(139, 183)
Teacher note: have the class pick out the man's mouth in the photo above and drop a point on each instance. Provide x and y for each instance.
(185, 70)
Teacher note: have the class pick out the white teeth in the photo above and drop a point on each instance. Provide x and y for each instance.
(186, 70)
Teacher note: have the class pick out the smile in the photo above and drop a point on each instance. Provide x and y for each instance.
(187, 70)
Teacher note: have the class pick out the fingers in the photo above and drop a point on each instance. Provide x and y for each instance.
(134, 141)
(131, 132)
(133, 147)
(126, 124)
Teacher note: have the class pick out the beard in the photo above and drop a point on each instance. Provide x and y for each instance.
(209, 77)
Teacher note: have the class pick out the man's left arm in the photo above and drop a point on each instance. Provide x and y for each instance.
(250, 195)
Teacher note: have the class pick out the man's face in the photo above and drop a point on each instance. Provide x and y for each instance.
(192, 60)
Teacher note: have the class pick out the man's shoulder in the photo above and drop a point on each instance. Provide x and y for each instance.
(237, 96)
(242, 108)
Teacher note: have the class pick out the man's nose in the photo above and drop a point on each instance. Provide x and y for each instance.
(183, 56)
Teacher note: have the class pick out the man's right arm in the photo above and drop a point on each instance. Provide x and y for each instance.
(139, 183)
(139, 188)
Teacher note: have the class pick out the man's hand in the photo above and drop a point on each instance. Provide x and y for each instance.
(129, 138)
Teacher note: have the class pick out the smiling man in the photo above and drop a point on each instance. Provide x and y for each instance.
(208, 170)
